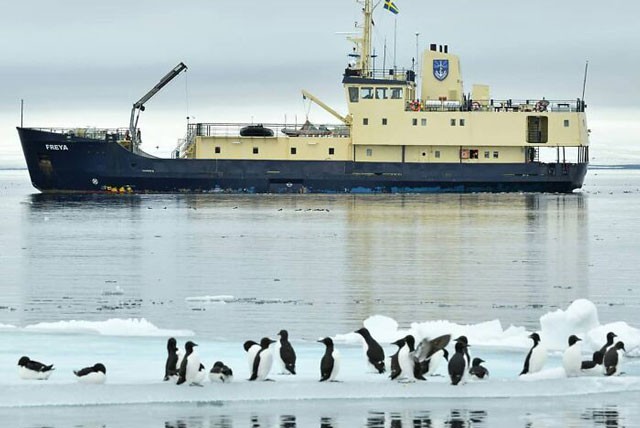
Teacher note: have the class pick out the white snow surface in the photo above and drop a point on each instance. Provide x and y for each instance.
(134, 353)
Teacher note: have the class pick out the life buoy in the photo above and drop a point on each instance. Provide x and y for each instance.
(475, 106)
(542, 105)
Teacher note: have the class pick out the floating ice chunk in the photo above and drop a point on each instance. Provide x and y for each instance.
(580, 317)
(110, 327)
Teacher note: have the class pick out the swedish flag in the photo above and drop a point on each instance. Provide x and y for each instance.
(391, 7)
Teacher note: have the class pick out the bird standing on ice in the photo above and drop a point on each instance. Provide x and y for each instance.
(458, 363)
(263, 360)
(394, 364)
(330, 363)
(192, 371)
(613, 359)
(610, 338)
(536, 357)
(407, 362)
(286, 354)
(477, 370)
(251, 348)
(173, 355)
(374, 352)
(94, 374)
(572, 357)
(33, 370)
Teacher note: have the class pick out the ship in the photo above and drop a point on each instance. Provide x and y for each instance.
(412, 130)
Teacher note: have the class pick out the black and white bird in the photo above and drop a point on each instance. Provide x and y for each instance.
(613, 359)
(611, 336)
(33, 370)
(572, 357)
(330, 362)
(537, 356)
(263, 360)
(220, 373)
(252, 348)
(477, 370)
(191, 371)
(286, 354)
(95, 374)
(458, 363)
(594, 365)
(172, 365)
(374, 352)
(394, 364)
(430, 353)
(409, 367)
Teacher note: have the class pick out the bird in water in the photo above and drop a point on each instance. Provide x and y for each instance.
(330, 362)
(374, 352)
(572, 357)
(477, 369)
(94, 374)
(536, 357)
(613, 359)
(286, 354)
(33, 370)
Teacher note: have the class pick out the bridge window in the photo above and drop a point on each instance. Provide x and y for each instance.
(366, 93)
(381, 93)
(423, 121)
(453, 122)
(396, 93)
(353, 94)
(414, 122)
(461, 122)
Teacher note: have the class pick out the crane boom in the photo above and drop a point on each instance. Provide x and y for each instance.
(344, 119)
(139, 105)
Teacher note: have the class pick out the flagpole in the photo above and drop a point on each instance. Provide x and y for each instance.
(395, 38)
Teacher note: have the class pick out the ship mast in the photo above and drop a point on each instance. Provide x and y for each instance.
(365, 55)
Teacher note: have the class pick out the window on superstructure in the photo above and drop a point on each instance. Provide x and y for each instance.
(566, 123)
(255, 150)
(496, 154)
(369, 152)
(396, 93)
(353, 94)
(217, 150)
(381, 93)
(294, 150)
(461, 122)
(537, 129)
(423, 121)
(437, 154)
(487, 154)
(384, 120)
(332, 151)
(365, 121)
(366, 93)
(473, 154)
(453, 122)
(414, 122)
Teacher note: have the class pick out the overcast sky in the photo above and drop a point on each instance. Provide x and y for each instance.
(76, 60)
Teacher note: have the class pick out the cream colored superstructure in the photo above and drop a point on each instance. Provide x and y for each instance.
(389, 121)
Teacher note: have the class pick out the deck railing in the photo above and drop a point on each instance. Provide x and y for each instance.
(293, 130)
(526, 105)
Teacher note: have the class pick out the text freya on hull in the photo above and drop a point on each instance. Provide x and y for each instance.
(398, 136)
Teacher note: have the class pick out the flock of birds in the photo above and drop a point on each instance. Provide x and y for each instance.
(409, 363)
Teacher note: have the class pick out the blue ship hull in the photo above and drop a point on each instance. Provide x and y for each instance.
(67, 163)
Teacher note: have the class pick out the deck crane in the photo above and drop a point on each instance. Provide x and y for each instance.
(139, 106)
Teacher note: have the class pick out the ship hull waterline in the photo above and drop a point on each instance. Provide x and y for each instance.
(65, 163)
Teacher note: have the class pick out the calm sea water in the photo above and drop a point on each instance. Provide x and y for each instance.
(320, 265)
